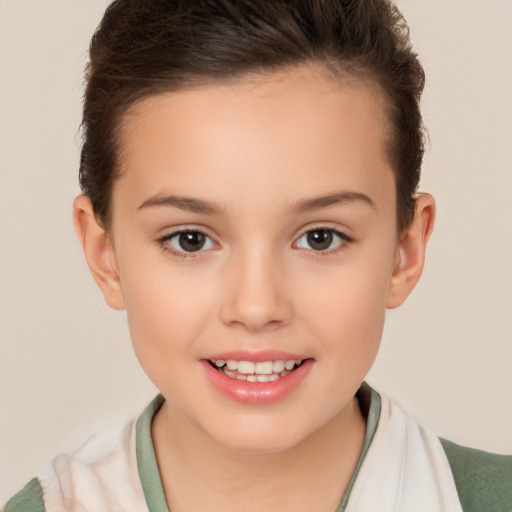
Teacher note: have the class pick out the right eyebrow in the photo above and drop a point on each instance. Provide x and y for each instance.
(189, 204)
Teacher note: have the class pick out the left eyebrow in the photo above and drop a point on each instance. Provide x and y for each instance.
(337, 198)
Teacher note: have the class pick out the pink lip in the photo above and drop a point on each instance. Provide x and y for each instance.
(257, 393)
(256, 357)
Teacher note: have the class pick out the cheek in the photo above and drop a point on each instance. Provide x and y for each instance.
(165, 310)
(347, 307)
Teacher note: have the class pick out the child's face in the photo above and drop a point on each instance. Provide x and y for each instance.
(269, 278)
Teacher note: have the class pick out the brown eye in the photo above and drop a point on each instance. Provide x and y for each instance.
(188, 241)
(191, 241)
(322, 239)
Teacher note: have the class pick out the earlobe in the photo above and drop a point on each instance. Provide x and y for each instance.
(98, 251)
(411, 252)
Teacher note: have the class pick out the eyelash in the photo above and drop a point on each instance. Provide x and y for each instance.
(163, 242)
(344, 241)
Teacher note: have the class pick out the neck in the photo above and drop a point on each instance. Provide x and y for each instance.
(316, 470)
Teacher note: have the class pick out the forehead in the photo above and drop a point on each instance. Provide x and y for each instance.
(289, 132)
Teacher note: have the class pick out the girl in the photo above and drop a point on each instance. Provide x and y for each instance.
(249, 174)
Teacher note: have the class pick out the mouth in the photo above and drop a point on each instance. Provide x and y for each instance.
(261, 371)
(257, 378)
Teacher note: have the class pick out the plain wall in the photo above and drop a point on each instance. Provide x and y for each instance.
(65, 359)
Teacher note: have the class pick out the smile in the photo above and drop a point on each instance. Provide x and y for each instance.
(269, 377)
(262, 371)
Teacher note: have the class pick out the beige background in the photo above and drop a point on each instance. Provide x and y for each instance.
(65, 358)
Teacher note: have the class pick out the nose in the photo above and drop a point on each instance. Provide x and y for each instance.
(255, 296)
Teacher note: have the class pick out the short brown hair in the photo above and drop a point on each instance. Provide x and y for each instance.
(146, 47)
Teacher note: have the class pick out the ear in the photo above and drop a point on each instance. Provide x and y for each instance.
(411, 252)
(99, 252)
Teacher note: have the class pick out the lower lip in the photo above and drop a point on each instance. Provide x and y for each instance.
(257, 393)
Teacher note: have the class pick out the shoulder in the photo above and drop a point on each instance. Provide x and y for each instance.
(483, 480)
(29, 499)
(100, 474)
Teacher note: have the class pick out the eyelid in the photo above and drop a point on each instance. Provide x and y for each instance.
(342, 235)
(185, 228)
(162, 241)
(345, 240)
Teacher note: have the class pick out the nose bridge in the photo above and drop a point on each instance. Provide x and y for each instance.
(255, 295)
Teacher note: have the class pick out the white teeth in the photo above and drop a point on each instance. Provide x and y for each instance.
(232, 365)
(262, 371)
(277, 366)
(264, 368)
(246, 367)
(260, 368)
(289, 364)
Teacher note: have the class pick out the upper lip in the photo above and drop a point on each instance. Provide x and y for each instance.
(257, 356)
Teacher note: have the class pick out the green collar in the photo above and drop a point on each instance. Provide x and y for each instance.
(146, 459)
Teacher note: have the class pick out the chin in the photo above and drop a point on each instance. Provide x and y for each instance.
(260, 435)
(260, 444)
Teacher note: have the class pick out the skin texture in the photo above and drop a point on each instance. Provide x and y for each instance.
(256, 149)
